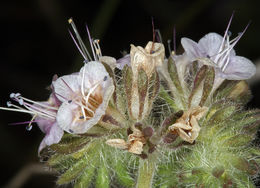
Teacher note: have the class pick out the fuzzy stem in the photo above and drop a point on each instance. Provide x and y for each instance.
(146, 172)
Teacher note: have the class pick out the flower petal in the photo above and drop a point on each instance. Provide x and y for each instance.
(210, 44)
(192, 49)
(52, 137)
(126, 60)
(117, 143)
(66, 86)
(92, 72)
(239, 68)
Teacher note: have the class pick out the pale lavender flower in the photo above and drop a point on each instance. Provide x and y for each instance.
(222, 55)
(84, 97)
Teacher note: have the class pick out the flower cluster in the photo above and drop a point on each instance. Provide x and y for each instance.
(180, 117)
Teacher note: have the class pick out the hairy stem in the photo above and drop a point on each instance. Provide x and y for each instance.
(146, 172)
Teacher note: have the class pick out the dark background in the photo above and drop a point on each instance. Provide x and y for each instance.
(35, 45)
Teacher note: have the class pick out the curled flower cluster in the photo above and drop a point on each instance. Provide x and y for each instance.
(179, 119)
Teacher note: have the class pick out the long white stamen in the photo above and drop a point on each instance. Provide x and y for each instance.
(83, 112)
(82, 45)
(40, 111)
(74, 40)
(17, 110)
(82, 81)
(226, 32)
(91, 91)
(232, 46)
(97, 48)
(29, 127)
(91, 43)
(38, 103)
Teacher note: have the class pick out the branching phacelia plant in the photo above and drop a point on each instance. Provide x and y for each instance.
(150, 121)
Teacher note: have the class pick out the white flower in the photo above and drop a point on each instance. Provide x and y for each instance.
(85, 96)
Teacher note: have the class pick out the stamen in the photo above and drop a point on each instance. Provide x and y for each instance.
(82, 82)
(158, 36)
(75, 42)
(82, 45)
(29, 127)
(83, 112)
(174, 39)
(226, 32)
(233, 45)
(97, 48)
(91, 41)
(17, 110)
(169, 46)
(12, 95)
(20, 101)
(152, 48)
(91, 91)
(222, 46)
(22, 123)
(105, 78)
(9, 103)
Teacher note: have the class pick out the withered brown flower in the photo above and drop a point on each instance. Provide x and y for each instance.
(187, 126)
(134, 144)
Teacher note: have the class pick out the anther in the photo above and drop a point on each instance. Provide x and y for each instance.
(29, 127)
(208, 56)
(69, 101)
(17, 95)
(81, 117)
(105, 78)
(12, 95)
(20, 101)
(8, 103)
(71, 131)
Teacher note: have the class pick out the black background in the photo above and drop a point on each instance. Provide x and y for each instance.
(35, 45)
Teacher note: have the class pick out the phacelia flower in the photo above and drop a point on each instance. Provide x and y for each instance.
(44, 114)
(219, 50)
(187, 126)
(134, 144)
(85, 96)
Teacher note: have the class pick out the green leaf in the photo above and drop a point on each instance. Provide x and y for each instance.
(123, 176)
(73, 172)
(164, 95)
(70, 144)
(102, 179)
(86, 177)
